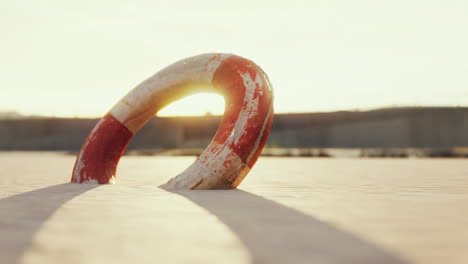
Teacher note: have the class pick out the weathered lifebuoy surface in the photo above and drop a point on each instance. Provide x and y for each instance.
(236, 145)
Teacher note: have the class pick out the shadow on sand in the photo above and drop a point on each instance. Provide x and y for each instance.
(273, 233)
(22, 215)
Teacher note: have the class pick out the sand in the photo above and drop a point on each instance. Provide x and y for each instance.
(288, 210)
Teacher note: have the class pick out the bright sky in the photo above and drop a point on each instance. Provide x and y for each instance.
(78, 58)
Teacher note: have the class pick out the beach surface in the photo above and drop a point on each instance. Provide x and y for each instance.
(287, 210)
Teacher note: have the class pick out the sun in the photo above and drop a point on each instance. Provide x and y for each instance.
(195, 105)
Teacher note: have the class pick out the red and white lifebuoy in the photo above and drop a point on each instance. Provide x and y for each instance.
(236, 145)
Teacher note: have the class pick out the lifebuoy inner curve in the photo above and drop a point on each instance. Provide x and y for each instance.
(236, 145)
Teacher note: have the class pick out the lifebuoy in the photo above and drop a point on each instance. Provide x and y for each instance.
(236, 145)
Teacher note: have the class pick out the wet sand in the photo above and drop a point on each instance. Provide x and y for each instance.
(288, 210)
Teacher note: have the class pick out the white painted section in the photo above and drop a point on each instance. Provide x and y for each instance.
(174, 79)
(90, 181)
(112, 180)
(212, 174)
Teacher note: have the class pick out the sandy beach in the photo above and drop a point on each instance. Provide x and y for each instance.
(288, 210)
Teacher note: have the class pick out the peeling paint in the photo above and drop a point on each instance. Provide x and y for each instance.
(237, 143)
(250, 106)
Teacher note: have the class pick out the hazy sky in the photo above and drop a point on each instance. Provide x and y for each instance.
(78, 58)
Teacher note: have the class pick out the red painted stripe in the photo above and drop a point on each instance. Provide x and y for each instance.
(228, 80)
(101, 151)
(263, 140)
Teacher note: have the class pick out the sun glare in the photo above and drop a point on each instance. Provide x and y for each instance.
(195, 105)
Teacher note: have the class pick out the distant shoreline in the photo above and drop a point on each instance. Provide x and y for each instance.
(393, 132)
(457, 152)
(461, 152)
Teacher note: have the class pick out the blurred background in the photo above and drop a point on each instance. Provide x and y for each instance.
(358, 79)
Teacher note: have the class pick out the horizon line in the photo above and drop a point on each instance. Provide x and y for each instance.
(13, 114)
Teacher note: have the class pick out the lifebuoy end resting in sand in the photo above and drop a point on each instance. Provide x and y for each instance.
(236, 146)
